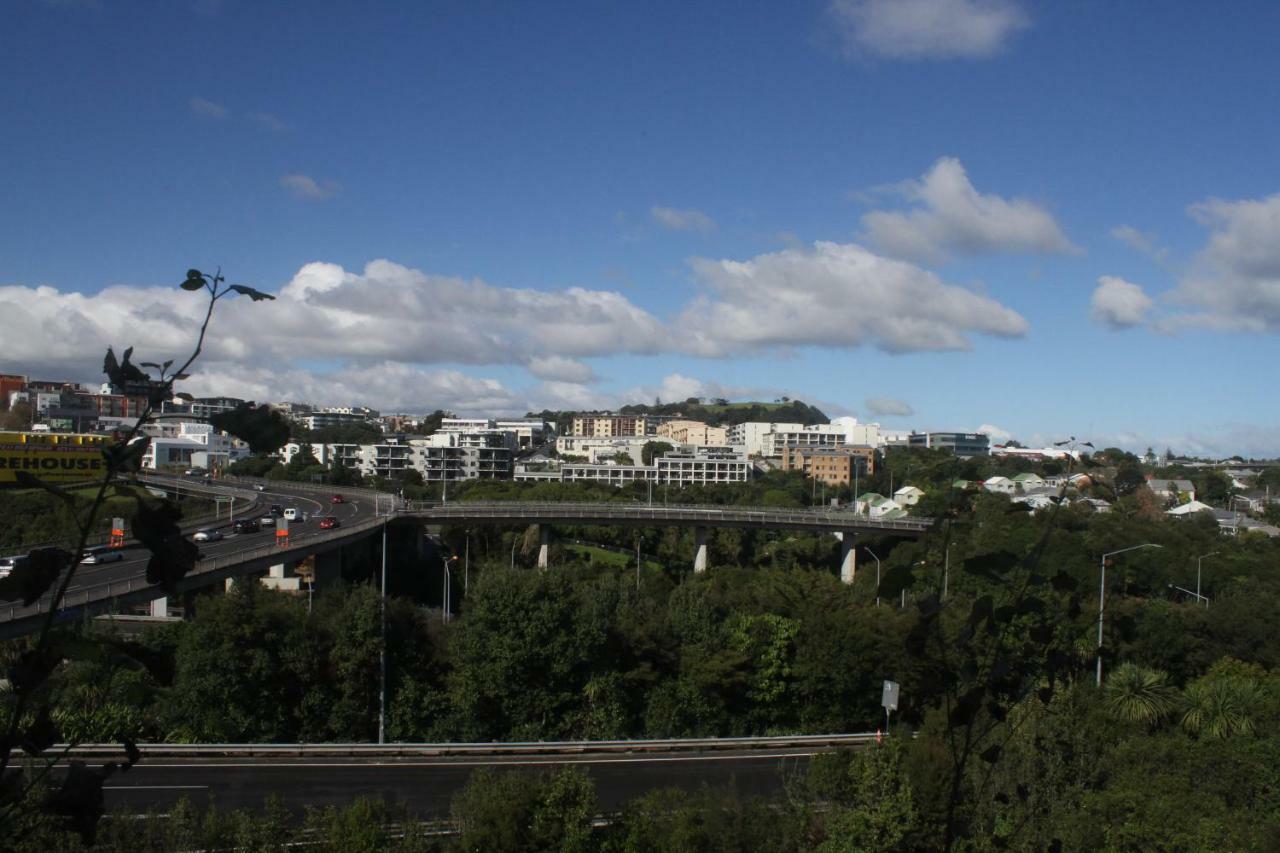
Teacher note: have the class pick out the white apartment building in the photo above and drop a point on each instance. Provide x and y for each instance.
(614, 475)
(184, 444)
(688, 469)
(767, 439)
(595, 448)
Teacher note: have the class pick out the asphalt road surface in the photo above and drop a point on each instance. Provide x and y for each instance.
(135, 559)
(427, 784)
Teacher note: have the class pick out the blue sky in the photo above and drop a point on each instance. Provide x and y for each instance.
(1050, 219)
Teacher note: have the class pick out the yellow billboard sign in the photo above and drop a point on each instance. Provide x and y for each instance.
(54, 457)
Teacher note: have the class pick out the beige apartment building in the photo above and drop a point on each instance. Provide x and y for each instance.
(610, 426)
(835, 466)
(694, 432)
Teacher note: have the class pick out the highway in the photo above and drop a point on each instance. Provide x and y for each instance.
(117, 585)
(427, 784)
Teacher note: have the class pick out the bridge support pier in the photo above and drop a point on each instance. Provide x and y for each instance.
(699, 550)
(544, 546)
(848, 556)
(328, 568)
(160, 607)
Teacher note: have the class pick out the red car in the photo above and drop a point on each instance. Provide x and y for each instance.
(337, 499)
(328, 522)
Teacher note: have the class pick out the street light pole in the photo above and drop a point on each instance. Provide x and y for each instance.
(1102, 596)
(877, 559)
(382, 651)
(1199, 597)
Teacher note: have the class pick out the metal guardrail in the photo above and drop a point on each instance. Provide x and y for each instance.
(578, 747)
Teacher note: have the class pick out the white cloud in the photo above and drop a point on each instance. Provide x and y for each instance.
(837, 295)
(207, 109)
(269, 122)
(1141, 241)
(926, 29)
(1118, 303)
(1235, 279)
(953, 217)
(682, 220)
(307, 187)
(887, 406)
(561, 369)
(995, 433)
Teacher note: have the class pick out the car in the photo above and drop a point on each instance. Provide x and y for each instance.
(260, 487)
(246, 525)
(8, 564)
(207, 535)
(95, 557)
(267, 521)
(328, 522)
(195, 472)
(337, 499)
(277, 510)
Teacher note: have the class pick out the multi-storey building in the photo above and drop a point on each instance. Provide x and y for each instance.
(960, 443)
(835, 466)
(693, 432)
(612, 426)
(702, 469)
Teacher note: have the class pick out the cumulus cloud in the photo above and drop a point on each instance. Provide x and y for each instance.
(926, 29)
(208, 109)
(1235, 279)
(951, 216)
(560, 369)
(1119, 304)
(887, 407)
(838, 295)
(1141, 241)
(682, 220)
(995, 433)
(308, 188)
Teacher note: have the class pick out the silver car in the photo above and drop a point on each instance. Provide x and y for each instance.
(96, 557)
(207, 535)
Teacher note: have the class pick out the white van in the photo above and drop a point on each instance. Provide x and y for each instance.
(294, 514)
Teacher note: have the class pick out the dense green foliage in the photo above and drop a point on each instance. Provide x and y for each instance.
(35, 517)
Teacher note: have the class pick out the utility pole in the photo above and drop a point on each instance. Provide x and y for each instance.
(382, 650)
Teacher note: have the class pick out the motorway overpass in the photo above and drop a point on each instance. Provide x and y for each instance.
(112, 586)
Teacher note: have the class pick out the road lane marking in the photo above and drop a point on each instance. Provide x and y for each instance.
(144, 764)
(155, 787)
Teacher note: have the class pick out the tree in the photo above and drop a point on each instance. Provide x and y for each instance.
(653, 449)
(1128, 478)
(1137, 694)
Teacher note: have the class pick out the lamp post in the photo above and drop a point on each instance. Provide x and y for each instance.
(1102, 595)
(877, 559)
(1199, 597)
(382, 650)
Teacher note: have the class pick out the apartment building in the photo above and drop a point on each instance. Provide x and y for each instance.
(702, 469)
(834, 466)
(762, 438)
(692, 432)
(612, 426)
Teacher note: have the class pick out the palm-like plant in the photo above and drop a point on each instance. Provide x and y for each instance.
(1222, 707)
(1140, 695)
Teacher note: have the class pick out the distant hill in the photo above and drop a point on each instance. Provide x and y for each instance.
(715, 413)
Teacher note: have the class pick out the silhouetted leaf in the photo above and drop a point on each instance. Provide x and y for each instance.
(79, 799)
(991, 754)
(126, 458)
(980, 611)
(159, 666)
(149, 364)
(121, 373)
(255, 295)
(895, 580)
(966, 707)
(31, 481)
(41, 734)
(997, 711)
(1063, 582)
(132, 751)
(264, 428)
(183, 395)
(992, 566)
(32, 577)
(172, 555)
(194, 281)
(1042, 634)
(33, 667)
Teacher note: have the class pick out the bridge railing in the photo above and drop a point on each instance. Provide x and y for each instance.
(624, 509)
